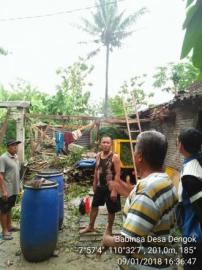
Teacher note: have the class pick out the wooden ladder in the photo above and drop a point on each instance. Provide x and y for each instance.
(134, 106)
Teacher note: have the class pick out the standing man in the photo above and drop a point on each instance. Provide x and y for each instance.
(107, 169)
(190, 196)
(149, 212)
(9, 186)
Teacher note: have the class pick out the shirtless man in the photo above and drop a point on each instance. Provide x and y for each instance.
(107, 169)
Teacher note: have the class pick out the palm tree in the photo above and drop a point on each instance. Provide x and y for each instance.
(110, 27)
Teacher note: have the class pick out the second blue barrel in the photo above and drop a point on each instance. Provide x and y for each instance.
(39, 221)
(56, 176)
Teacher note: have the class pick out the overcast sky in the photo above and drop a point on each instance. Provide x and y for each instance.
(39, 46)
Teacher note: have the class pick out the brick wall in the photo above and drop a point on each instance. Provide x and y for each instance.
(185, 117)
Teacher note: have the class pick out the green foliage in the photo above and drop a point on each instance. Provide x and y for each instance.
(23, 90)
(133, 87)
(193, 35)
(77, 190)
(69, 160)
(2, 149)
(3, 51)
(16, 212)
(116, 106)
(175, 78)
(74, 156)
(74, 218)
(11, 130)
(125, 154)
(113, 132)
(189, 2)
(70, 97)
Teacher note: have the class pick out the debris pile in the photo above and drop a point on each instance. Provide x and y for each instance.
(66, 163)
(78, 175)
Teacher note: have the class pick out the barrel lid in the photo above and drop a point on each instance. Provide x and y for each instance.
(49, 172)
(40, 184)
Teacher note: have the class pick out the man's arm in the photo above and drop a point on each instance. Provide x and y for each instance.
(121, 187)
(2, 182)
(117, 169)
(3, 187)
(95, 180)
(113, 241)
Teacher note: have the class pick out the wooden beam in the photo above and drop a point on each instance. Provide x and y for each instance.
(123, 121)
(61, 117)
(15, 104)
(111, 120)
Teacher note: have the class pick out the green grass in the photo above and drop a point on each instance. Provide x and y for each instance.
(76, 190)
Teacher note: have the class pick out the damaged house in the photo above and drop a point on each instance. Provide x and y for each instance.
(184, 111)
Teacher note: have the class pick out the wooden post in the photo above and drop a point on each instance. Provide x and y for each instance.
(130, 139)
(19, 117)
(20, 134)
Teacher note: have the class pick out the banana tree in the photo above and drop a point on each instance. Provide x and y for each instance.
(193, 36)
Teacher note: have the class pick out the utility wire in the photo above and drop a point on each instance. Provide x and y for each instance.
(55, 13)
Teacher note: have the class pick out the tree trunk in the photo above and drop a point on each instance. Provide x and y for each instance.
(106, 82)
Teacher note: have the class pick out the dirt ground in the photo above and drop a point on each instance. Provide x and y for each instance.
(67, 257)
(66, 260)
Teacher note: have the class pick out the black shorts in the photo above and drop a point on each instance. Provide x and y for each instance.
(5, 206)
(102, 196)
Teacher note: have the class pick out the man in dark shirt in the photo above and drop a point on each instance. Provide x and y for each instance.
(189, 212)
(107, 169)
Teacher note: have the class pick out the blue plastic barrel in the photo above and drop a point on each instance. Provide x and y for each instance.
(39, 221)
(56, 176)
